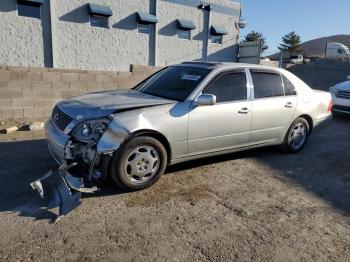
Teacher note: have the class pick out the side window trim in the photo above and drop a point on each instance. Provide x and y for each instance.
(295, 90)
(227, 72)
(284, 89)
(252, 70)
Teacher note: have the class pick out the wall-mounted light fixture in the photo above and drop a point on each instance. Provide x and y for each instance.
(242, 23)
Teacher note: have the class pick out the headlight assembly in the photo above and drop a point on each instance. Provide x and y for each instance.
(90, 130)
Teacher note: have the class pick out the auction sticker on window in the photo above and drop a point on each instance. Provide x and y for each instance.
(191, 77)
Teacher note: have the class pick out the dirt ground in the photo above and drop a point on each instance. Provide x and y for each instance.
(258, 205)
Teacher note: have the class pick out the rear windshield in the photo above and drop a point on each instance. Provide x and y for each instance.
(175, 82)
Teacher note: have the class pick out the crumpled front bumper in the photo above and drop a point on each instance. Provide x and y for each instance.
(57, 142)
(60, 189)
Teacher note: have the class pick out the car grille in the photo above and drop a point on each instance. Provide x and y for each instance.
(60, 119)
(343, 94)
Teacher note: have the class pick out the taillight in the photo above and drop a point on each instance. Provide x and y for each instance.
(330, 106)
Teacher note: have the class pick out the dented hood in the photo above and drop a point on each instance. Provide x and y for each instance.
(345, 86)
(101, 104)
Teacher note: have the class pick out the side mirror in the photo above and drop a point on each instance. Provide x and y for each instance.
(348, 77)
(206, 100)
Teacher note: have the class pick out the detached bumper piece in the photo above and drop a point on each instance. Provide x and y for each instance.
(61, 189)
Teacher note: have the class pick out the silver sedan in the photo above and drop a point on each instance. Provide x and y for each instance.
(183, 112)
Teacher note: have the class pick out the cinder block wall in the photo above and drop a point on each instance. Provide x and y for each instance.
(27, 92)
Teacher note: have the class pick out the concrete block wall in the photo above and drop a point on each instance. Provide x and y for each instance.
(27, 92)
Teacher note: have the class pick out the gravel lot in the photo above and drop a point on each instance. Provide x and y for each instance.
(258, 205)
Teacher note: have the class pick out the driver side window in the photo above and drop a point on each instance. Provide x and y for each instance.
(228, 87)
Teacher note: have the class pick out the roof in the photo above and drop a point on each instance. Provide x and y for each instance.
(218, 30)
(335, 44)
(36, 2)
(100, 10)
(227, 65)
(185, 24)
(145, 18)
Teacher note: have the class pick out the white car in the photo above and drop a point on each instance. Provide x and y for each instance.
(341, 98)
(297, 59)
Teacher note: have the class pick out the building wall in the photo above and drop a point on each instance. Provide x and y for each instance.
(226, 52)
(81, 46)
(75, 44)
(172, 49)
(24, 41)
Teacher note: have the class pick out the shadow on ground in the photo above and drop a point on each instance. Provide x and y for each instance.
(322, 169)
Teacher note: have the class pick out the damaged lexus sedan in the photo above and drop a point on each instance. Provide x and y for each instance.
(183, 112)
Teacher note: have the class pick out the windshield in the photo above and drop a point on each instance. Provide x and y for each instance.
(175, 82)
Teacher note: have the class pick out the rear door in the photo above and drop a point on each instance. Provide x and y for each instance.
(226, 124)
(274, 105)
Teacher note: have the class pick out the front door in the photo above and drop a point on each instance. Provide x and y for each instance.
(226, 124)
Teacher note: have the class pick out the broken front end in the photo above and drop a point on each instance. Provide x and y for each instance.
(83, 150)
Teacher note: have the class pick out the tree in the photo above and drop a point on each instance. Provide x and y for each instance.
(291, 43)
(256, 36)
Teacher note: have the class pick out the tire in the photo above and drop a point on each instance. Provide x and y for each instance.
(294, 143)
(139, 163)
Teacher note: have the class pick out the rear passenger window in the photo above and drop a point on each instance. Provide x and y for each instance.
(228, 87)
(267, 84)
(289, 88)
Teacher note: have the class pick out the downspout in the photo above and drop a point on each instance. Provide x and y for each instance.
(53, 32)
(206, 10)
(155, 35)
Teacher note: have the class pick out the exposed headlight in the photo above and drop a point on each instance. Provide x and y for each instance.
(90, 130)
(86, 130)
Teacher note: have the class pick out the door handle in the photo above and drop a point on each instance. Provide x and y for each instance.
(288, 105)
(244, 111)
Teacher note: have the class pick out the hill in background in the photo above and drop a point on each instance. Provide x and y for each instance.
(317, 46)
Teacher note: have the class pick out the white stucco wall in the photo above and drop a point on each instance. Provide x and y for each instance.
(172, 49)
(24, 41)
(77, 45)
(81, 46)
(226, 52)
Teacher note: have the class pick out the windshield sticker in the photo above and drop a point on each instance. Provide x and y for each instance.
(191, 77)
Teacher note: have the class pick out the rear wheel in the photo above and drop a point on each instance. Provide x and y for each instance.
(139, 163)
(297, 136)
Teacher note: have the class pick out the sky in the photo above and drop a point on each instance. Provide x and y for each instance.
(309, 18)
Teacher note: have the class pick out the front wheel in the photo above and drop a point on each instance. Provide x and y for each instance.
(139, 163)
(297, 136)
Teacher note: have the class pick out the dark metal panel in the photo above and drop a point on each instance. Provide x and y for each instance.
(144, 18)
(218, 30)
(34, 2)
(185, 24)
(100, 10)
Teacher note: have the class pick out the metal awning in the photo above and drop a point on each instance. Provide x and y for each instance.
(100, 10)
(34, 2)
(218, 30)
(185, 24)
(144, 18)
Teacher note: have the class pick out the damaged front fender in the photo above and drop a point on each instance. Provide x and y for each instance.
(111, 140)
